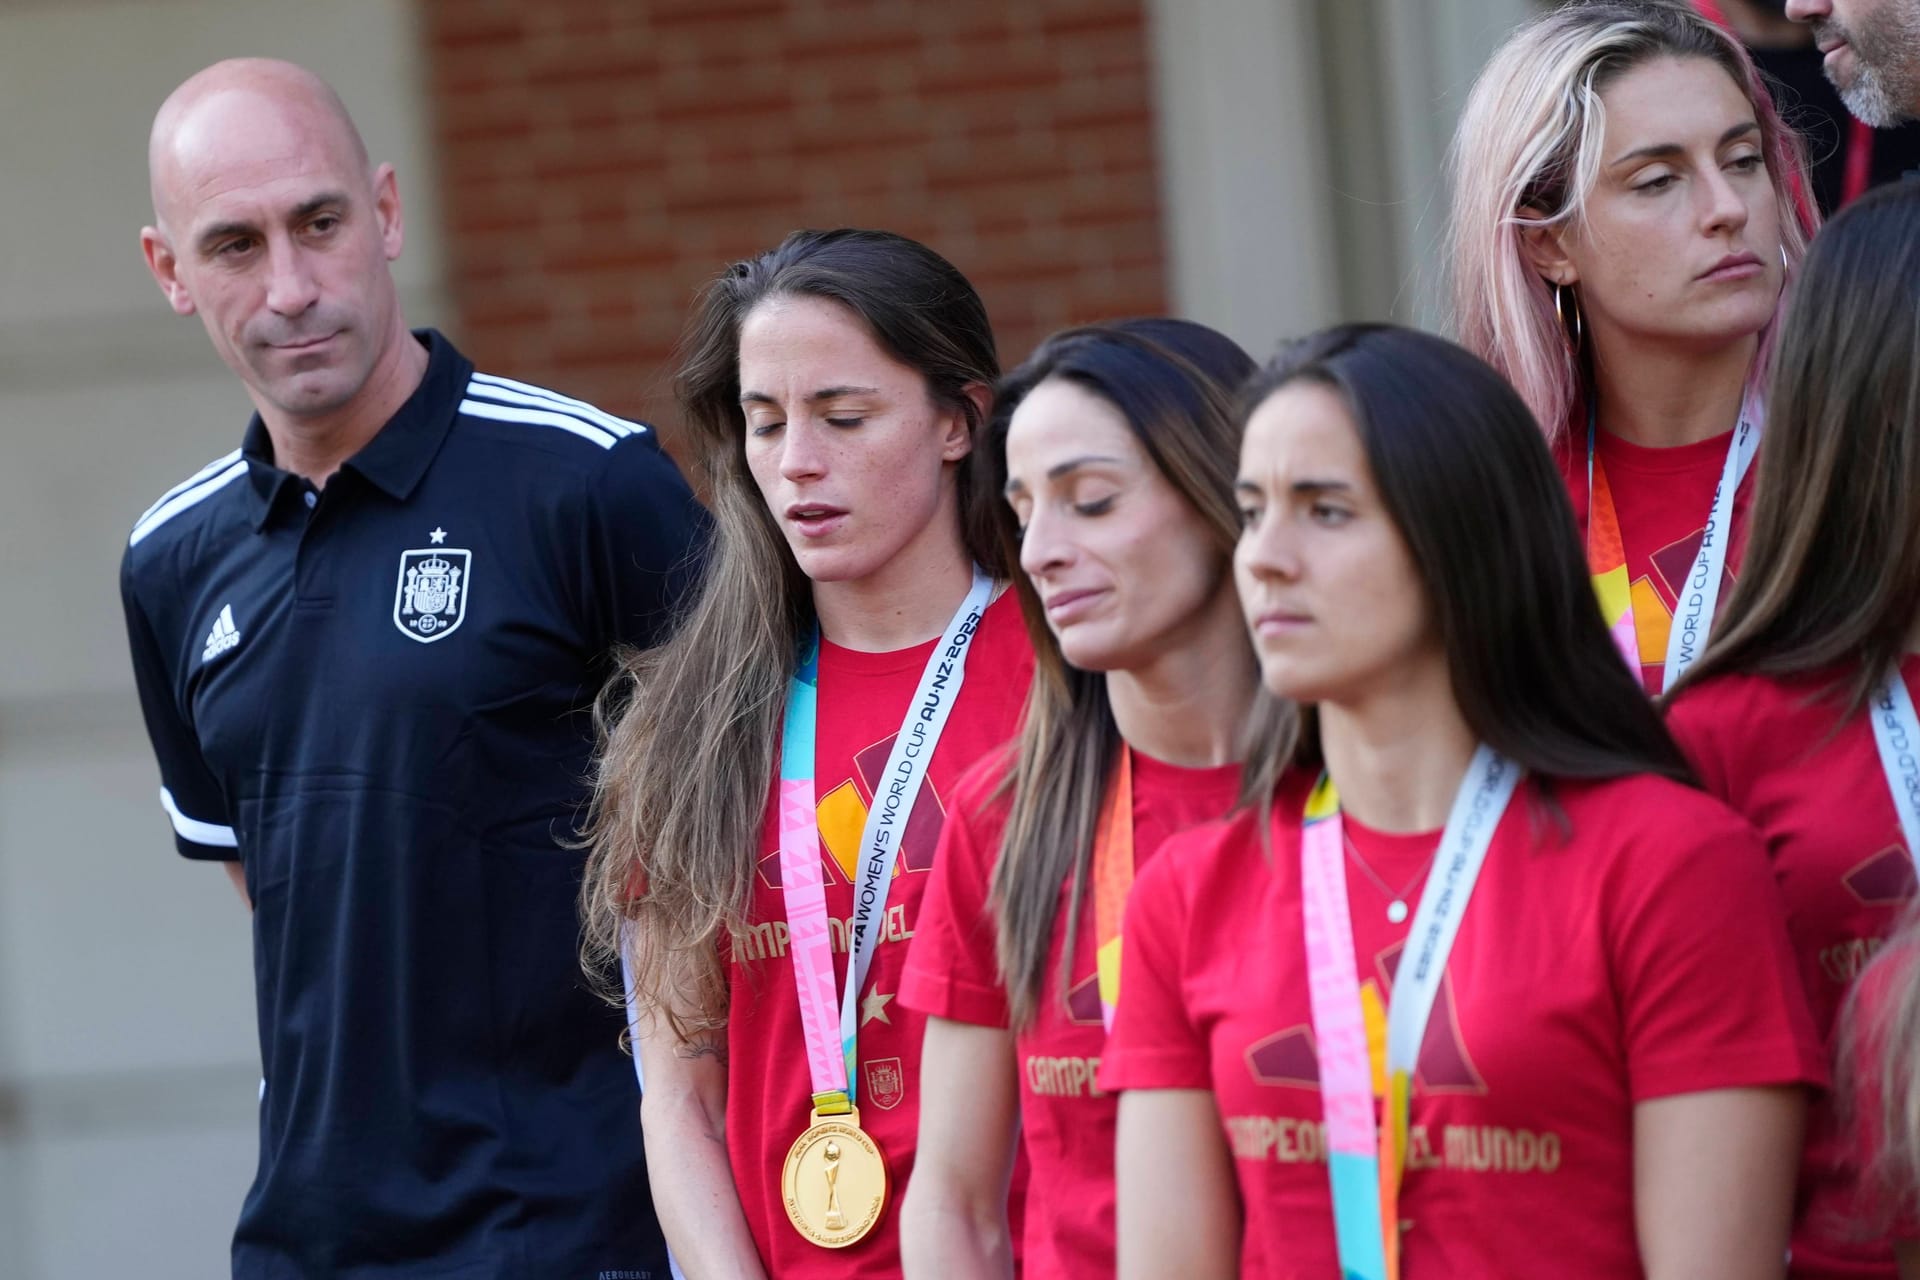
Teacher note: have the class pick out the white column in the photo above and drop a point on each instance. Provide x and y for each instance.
(1243, 166)
(1431, 51)
(1302, 154)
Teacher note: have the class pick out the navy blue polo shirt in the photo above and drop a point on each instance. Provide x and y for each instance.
(374, 696)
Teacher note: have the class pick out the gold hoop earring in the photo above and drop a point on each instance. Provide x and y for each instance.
(1579, 334)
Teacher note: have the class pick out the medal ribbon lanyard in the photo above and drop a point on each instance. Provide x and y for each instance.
(1359, 1058)
(1896, 733)
(1112, 881)
(1699, 594)
(830, 1059)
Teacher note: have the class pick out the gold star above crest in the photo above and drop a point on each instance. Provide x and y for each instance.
(874, 1005)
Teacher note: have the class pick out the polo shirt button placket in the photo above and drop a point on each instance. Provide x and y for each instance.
(307, 595)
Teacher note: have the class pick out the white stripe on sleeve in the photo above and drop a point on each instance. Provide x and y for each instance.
(207, 833)
(493, 387)
(539, 418)
(184, 499)
(218, 464)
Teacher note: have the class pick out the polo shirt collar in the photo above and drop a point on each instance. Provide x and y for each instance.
(398, 455)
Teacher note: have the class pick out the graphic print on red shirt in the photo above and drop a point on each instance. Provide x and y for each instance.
(863, 697)
(1067, 1122)
(1819, 799)
(1642, 957)
(1662, 498)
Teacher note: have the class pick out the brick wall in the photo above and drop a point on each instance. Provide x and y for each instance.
(600, 159)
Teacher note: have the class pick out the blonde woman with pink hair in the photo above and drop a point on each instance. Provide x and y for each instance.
(1626, 213)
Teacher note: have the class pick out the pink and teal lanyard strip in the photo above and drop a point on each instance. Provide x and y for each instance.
(831, 1056)
(1359, 1059)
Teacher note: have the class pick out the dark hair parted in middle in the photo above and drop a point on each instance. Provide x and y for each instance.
(1831, 577)
(1172, 381)
(1465, 474)
(690, 730)
(917, 305)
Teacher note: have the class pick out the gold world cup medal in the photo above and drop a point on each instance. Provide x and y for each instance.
(835, 1182)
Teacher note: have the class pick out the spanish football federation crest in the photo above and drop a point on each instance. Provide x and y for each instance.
(886, 1083)
(430, 600)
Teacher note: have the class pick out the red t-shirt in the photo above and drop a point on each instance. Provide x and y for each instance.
(952, 972)
(863, 698)
(1770, 749)
(1662, 498)
(1640, 957)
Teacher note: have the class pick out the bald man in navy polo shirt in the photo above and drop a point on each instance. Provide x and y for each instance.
(364, 642)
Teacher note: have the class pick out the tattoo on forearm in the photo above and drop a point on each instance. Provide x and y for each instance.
(713, 1045)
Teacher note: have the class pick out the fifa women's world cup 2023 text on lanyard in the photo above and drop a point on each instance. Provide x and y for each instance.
(1699, 592)
(1896, 736)
(834, 1183)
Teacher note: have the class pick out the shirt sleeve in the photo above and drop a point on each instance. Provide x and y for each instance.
(193, 799)
(1154, 1043)
(647, 540)
(953, 968)
(1704, 970)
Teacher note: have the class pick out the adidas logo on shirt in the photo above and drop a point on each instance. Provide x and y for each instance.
(223, 637)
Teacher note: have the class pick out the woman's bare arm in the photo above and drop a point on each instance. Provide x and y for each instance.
(683, 1116)
(1713, 1181)
(1179, 1208)
(954, 1220)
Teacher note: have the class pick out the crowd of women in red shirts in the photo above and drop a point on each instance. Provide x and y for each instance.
(1417, 808)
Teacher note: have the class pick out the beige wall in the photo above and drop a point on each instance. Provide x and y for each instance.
(128, 1067)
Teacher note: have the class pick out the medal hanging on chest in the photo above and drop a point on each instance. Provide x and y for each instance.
(1366, 1155)
(834, 1182)
(1698, 594)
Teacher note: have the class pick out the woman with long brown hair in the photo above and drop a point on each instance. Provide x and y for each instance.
(770, 791)
(1113, 446)
(1625, 214)
(1800, 715)
(1484, 987)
